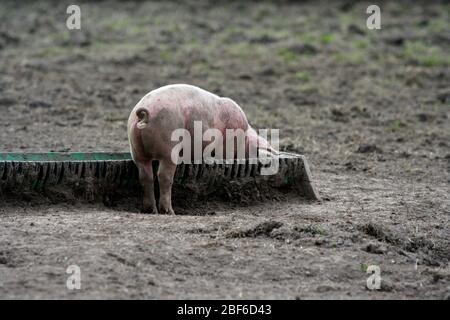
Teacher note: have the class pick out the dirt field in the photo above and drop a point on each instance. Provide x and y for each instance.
(369, 108)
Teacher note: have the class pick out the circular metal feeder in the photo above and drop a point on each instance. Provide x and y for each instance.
(99, 174)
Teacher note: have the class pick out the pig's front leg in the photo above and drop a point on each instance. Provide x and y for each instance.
(166, 172)
(147, 181)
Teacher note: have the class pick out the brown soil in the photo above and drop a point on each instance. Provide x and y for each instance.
(369, 108)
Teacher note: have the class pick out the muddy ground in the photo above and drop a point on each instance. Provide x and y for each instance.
(369, 108)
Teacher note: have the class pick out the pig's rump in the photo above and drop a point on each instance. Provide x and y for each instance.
(179, 107)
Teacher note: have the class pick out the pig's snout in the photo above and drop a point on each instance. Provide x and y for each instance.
(142, 115)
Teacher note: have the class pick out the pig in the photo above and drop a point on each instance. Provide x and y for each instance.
(155, 117)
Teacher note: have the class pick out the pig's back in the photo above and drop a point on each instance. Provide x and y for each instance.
(192, 103)
(183, 96)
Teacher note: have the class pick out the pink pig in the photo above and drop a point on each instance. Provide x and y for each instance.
(159, 114)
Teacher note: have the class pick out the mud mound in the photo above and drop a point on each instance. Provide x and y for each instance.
(262, 229)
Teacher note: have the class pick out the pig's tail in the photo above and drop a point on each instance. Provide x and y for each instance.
(142, 115)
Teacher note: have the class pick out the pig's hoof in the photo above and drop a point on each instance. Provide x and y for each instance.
(149, 210)
(166, 211)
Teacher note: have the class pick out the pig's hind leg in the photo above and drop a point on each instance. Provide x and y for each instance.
(147, 182)
(166, 173)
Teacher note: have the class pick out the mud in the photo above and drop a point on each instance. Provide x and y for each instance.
(370, 110)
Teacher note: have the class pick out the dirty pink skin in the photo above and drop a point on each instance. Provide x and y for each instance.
(172, 107)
